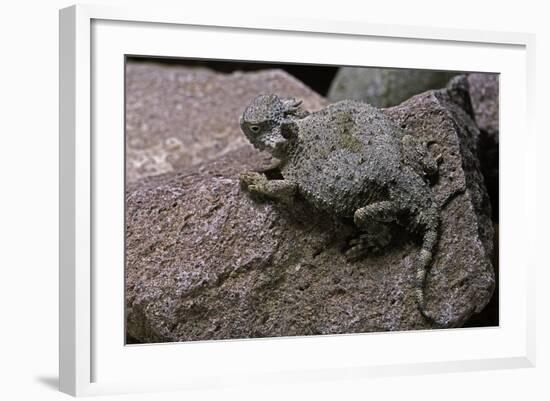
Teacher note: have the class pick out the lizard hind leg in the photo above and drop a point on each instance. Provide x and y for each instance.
(373, 240)
(375, 232)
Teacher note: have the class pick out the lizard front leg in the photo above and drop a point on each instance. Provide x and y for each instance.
(280, 190)
(375, 232)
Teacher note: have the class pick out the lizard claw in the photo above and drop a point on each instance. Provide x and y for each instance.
(359, 248)
(356, 252)
(367, 243)
(251, 178)
(255, 188)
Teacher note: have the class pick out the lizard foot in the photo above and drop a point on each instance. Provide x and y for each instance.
(367, 243)
(251, 180)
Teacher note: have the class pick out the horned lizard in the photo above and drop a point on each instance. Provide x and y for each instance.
(350, 161)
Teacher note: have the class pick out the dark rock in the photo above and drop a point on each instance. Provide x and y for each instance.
(384, 87)
(181, 116)
(489, 316)
(205, 261)
(484, 95)
(484, 89)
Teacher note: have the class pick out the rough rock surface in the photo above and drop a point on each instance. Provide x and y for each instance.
(206, 261)
(180, 116)
(484, 95)
(384, 87)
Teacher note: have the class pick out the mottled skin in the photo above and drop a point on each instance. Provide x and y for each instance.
(350, 161)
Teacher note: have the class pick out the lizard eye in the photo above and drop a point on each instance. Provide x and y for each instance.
(254, 128)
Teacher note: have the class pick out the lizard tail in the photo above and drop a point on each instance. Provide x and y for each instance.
(423, 263)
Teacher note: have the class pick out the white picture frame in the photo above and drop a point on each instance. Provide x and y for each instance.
(93, 358)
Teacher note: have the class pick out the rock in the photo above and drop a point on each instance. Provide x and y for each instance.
(443, 116)
(206, 261)
(484, 95)
(489, 316)
(384, 87)
(180, 116)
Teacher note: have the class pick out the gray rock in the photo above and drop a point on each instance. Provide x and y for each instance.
(180, 116)
(484, 95)
(384, 87)
(205, 261)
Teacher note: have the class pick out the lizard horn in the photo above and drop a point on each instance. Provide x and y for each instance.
(291, 104)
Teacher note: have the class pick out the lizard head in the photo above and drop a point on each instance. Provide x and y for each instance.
(264, 120)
